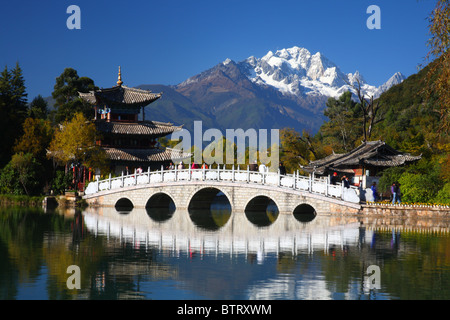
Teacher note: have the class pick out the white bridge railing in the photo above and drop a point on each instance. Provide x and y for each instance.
(290, 181)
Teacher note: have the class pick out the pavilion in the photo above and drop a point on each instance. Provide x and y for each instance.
(130, 143)
(362, 164)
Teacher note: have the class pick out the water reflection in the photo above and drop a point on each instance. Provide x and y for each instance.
(135, 256)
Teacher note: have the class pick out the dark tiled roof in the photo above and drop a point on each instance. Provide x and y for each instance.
(120, 96)
(146, 155)
(374, 153)
(154, 128)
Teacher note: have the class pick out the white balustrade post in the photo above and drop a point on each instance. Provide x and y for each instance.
(162, 173)
(218, 172)
(310, 182)
(110, 183)
(148, 172)
(122, 181)
(294, 185)
(203, 173)
(232, 173)
(135, 177)
(248, 174)
(176, 176)
(98, 184)
(326, 186)
(279, 178)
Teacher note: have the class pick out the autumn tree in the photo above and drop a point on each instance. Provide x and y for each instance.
(74, 143)
(298, 149)
(438, 78)
(37, 134)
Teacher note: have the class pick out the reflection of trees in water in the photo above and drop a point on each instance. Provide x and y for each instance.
(414, 265)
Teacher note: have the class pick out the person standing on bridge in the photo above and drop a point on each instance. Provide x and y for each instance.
(194, 166)
(374, 191)
(346, 182)
(282, 169)
(254, 166)
(180, 166)
(334, 178)
(262, 168)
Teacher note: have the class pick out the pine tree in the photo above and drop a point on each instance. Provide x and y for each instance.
(38, 108)
(13, 110)
(66, 89)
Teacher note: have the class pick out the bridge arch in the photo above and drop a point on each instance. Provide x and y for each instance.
(304, 212)
(262, 210)
(160, 206)
(209, 208)
(124, 205)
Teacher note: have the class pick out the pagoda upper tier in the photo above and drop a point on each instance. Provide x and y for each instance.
(120, 97)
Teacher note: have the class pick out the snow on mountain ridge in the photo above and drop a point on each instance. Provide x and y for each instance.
(296, 71)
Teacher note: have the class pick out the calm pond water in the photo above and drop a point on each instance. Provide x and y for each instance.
(167, 254)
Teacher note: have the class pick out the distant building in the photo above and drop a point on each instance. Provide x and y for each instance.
(128, 142)
(362, 164)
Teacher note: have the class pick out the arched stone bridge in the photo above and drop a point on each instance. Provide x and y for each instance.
(245, 190)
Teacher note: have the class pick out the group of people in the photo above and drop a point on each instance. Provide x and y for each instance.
(395, 192)
(334, 180)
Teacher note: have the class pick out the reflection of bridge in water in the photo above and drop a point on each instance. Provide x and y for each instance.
(242, 189)
(239, 235)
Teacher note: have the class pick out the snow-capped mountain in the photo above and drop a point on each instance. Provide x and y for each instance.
(397, 78)
(288, 88)
(296, 71)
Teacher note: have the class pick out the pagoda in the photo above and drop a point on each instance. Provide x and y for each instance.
(130, 143)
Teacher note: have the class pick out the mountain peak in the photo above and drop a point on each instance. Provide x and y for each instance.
(227, 61)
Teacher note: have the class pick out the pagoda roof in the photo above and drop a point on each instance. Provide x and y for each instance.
(154, 128)
(370, 153)
(120, 96)
(146, 155)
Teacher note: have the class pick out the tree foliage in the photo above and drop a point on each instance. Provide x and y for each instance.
(22, 175)
(299, 149)
(37, 134)
(343, 130)
(74, 142)
(437, 80)
(13, 110)
(65, 93)
(38, 108)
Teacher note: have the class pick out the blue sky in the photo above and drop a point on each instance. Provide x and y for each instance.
(165, 42)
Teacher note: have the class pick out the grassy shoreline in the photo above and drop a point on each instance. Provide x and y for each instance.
(21, 200)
